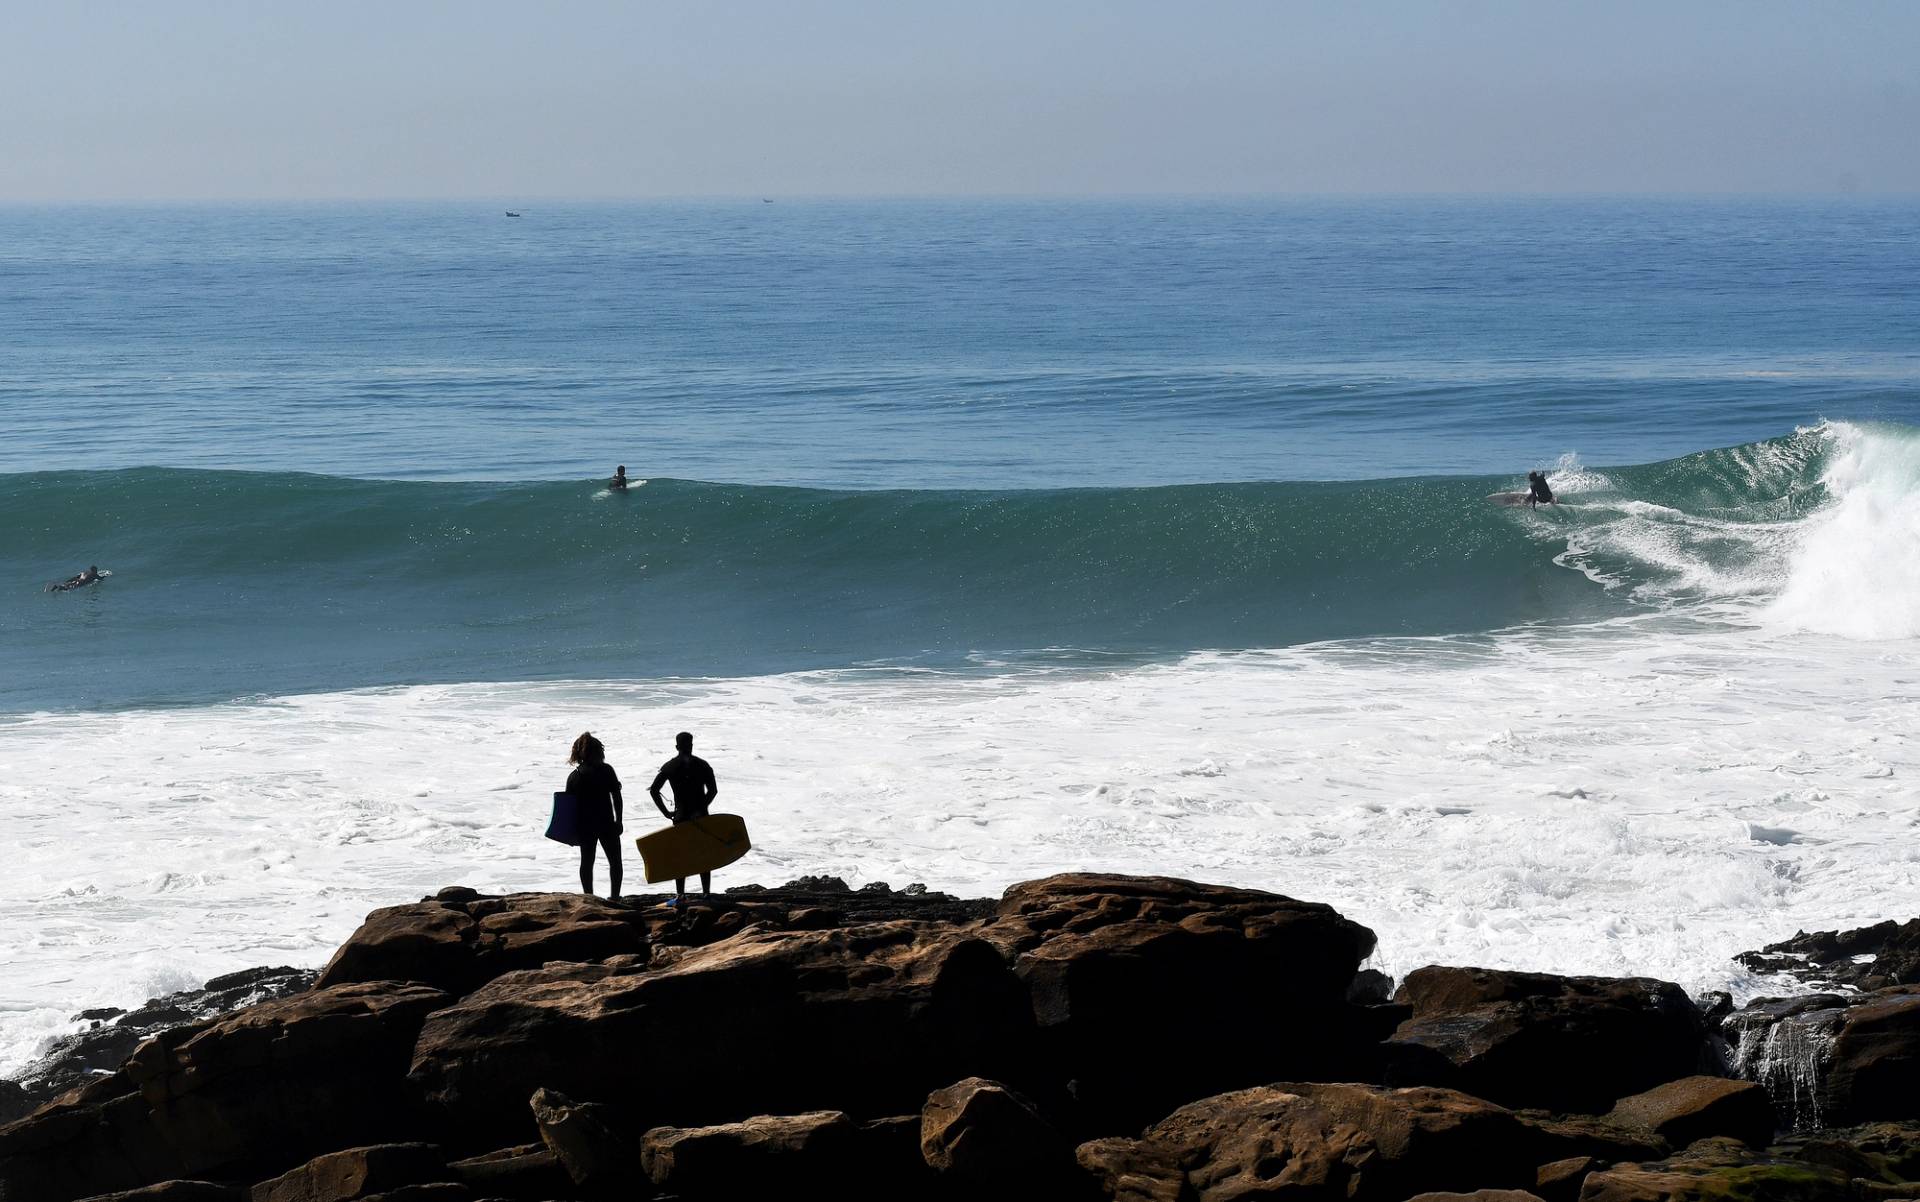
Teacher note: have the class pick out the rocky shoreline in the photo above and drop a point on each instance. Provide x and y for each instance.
(1082, 1037)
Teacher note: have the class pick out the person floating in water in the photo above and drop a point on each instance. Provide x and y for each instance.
(1537, 491)
(619, 481)
(693, 791)
(596, 792)
(90, 576)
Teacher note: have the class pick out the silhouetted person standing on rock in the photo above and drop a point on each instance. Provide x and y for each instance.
(693, 791)
(596, 793)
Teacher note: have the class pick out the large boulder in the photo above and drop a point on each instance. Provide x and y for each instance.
(1357, 1142)
(252, 1093)
(1875, 1065)
(1530, 1039)
(1694, 1108)
(867, 1019)
(583, 1141)
(458, 939)
(1152, 991)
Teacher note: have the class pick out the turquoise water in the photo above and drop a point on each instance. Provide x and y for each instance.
(332, 446)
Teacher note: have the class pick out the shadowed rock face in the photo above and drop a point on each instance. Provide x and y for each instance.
(866, 1020)
(1198, 988)
(1530, 1039)
(1875, 1071)
(1695, 1108)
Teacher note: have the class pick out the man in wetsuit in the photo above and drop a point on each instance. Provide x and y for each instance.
(619, 481)
(90, 576)
(693, 791)
(1537, 491)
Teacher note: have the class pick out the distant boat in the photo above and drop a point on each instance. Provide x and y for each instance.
(511, 213)
(765, 201)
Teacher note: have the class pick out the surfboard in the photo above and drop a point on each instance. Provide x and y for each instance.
(692, 847)
(1508, 498)
(564, 826)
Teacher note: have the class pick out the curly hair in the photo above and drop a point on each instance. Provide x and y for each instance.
(587, 750)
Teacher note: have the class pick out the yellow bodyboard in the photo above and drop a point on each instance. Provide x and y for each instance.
(692, 847)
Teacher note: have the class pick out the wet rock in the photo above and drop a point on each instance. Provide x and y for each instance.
(1875, 1068)
(582, 1139)
(1597, 1137)
(356, 1173)
(1570, 1044)
(1695, 1108)
(1881, 1153)
(113, 1034)
(983, 1136)
(865, 1019)
(1719, 1169)
(457, 942)
(1786, 1045)
(1204, 987)
(1357, 1142)
(1867, 958)
(812, 1155)
(1480, 1195)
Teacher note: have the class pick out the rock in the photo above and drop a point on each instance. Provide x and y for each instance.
(527, 1171)
(356, 1173)
(1868, 958)
(436, 1192)
(1530, 1039)
(1152, 991)
(1786, 1045)
(76, 1147)
(1370, 987)
(1695, 1108)
(865, 1019)
(802, 1155)
(1884, 1153)
(989, 1138)
(76, 1060)
(1480, 1195)
(1875, 1067)
(456, 942)
(1357, 1142)
(582, 1140)
(177, 1191)
(1596, 1137)
(1560, 1180)
(1717, 1170)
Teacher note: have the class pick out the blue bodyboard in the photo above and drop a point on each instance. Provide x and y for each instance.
(565, 826)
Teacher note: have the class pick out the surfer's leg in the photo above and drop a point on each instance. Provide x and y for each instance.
(679, 886)
(586, 866)
(612, 845)
(706, 884)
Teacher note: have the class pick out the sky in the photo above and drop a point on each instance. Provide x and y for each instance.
(252, 99)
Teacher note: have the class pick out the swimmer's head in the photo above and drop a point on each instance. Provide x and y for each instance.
(621, 470)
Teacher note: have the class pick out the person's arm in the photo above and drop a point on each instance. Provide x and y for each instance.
(659, 779)
(619, 803)
(713, 786)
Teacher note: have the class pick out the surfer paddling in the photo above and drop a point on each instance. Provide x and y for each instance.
(693, 792)
(596, 793)
(619, 481)
(90, 576)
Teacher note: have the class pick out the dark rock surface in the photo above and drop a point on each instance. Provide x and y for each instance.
(1867, 958)
(356, 1173)
(112, 1035)
(1695, 1108)
(1531, 1039)
(988, 1139)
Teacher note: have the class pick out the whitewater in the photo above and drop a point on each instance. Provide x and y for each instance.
(1724, 756)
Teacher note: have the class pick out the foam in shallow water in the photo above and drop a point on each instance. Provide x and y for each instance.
(1568, 801)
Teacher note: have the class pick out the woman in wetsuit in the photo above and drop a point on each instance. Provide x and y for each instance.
(596, 793)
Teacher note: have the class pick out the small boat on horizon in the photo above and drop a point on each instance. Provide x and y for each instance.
(511, 213)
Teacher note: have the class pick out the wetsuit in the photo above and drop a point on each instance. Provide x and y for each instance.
(1537, 490)
(693, 786)
(596, 796)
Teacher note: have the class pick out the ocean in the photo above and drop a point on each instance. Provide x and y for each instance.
(974, 541)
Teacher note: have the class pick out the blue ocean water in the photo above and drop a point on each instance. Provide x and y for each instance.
(330, 446)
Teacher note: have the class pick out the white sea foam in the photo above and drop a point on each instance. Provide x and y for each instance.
(1855, 567)
(1613, 800)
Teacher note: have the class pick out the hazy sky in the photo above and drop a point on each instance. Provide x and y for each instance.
(404, 98)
